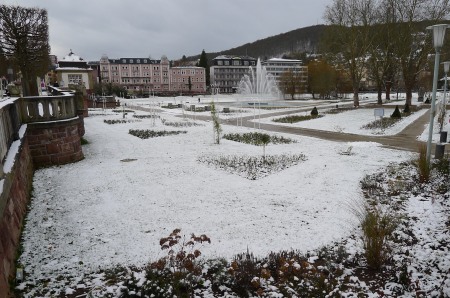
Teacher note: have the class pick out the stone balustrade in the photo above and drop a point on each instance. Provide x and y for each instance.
(47, 108)
(29, 110)
(9, 128)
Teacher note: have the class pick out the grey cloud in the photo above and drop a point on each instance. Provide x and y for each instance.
(168, 27)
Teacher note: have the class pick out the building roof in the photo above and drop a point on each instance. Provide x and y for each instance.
(71, 57)
(233, 57)
(283, 60)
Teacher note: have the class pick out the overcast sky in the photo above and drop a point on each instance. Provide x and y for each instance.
(143, 28)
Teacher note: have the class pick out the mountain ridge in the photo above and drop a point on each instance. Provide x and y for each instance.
(304, 39)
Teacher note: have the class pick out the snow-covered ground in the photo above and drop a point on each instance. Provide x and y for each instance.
(114, 206)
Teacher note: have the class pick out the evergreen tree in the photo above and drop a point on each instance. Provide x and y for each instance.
(203, 62)
(190, 84)
(396, 113)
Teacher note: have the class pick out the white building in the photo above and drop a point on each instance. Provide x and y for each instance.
(277, 66)
(73, 70)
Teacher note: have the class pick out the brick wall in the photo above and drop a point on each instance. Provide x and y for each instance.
(55, 143)
(13, 204)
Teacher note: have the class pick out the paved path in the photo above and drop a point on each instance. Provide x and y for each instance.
(405, 140)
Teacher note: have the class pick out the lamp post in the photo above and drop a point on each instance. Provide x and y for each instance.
(444, 101)
(438, 41)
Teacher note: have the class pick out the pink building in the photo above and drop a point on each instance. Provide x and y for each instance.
(146, 76)
(188, 79)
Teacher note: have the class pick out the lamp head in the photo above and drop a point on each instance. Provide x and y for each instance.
(438, 34)
(446, 66)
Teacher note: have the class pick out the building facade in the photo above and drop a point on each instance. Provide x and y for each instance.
(73, 70)
(277, 67)
(227, 71)
(148, 76)
(188, 79)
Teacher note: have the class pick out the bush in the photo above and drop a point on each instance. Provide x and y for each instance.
(253, 167)
(382, 123)
(407, 109)
(257, 138)
(396, 113)
(295, 118)
(314, 112)
(146, 134)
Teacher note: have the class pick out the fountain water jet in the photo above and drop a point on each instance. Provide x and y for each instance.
(258, 83)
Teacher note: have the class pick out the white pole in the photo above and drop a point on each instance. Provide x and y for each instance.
(433, 104)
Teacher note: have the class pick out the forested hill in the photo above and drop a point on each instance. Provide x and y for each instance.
(299, 40)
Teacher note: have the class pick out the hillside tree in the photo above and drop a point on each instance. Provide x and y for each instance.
(24, 41)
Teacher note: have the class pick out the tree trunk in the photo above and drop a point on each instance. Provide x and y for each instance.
(388, 90)
(408, 96)
(355, 98)
(380, 92)
(409, 85)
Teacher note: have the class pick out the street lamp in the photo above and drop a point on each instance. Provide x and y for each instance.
(438, 41)
(444, 101)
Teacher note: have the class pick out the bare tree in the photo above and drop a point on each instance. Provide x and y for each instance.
(349, 38)
(412, 43)
(24, 40)
(292, 82)
(382, 63)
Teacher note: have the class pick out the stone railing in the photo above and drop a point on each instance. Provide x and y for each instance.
(9, 128)
(48, 108)
(15, 112)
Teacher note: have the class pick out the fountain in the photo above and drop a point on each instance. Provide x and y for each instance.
(258, 84)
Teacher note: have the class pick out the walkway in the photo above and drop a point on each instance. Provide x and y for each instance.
(405, 140)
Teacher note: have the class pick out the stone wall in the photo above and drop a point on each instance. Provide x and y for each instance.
(55, 143)
(13, 205)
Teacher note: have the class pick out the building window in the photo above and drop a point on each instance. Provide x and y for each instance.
(75, 79)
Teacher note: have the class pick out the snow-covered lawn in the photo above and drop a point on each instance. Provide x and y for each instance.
(114, 206)
(340, 122)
